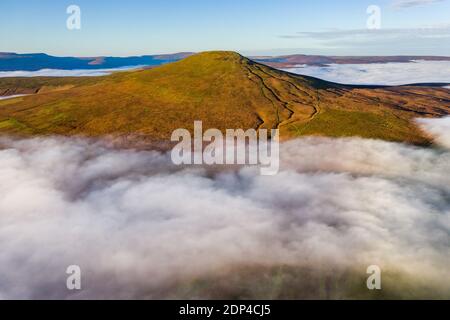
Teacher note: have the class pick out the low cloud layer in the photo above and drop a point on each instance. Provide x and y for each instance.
(438, 128)
(64, 73)
(380, 73)
(138, 226)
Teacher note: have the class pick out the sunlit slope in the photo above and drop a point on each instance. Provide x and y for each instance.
(224, 90)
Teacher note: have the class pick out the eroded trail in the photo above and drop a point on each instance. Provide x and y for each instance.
(291, 104)
(312, 101)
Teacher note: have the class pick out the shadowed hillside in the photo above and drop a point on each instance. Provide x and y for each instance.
(224, 90)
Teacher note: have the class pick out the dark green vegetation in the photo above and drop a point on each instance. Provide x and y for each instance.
(299, 283)
(224, 90)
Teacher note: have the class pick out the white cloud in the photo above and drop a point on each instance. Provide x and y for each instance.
(366, 35)
(380, 73)
(438, 128)
(64, 73)
(413, 3)
(426, 40)
(136, 224)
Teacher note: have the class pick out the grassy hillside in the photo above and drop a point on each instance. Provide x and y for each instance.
(224, 90)
(13, 86)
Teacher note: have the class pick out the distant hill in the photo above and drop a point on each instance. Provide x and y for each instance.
(224, 90)
(38, 61)
(314, 60)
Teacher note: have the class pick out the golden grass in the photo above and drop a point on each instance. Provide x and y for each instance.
(222, 89)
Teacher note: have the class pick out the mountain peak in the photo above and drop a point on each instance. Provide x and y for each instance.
(223, 89)
(218, 54)
(209, 56)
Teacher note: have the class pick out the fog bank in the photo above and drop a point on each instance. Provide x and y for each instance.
(439, 129)
(393, 73)
(65, 73)
(137, 225)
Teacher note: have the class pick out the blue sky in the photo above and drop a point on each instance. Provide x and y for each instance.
(136, 27)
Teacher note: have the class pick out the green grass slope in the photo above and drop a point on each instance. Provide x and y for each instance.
(224, 90)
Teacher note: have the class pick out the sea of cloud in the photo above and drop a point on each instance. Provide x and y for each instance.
(380, 73)
(137, 225)
(65, 73)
